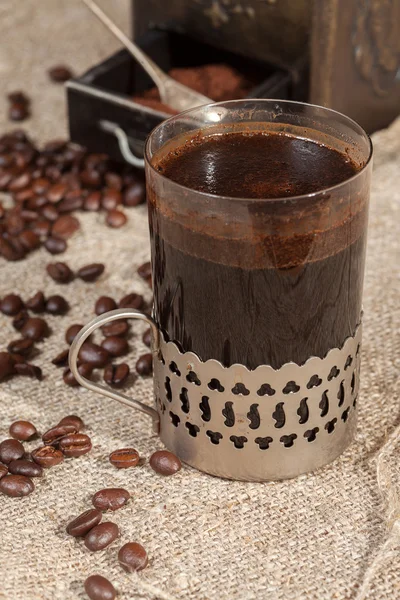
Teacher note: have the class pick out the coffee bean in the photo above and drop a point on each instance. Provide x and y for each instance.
(57, 305)
(55, 245)
(145, 270)
(104, 304)
(116, 374)
(56, 192)
(28, 370)
(11, 304)
(16, 486)
(22, 430)
(92, 201)
(40, 185)
(101, 536)
(113, 180)
(17, 358)
(131, 301)
(6, 365)
(37, 303)
(34, 328)
(54, 146)
(9, 252)
(65, 227)
(20, 182)
(73, 201)
(132, 557)
(165, 463)
(111, 198)
(124, 458)
(84, 523)
(10, 449)
(99, 588)
(72, 332)
(19, 97)
(28, 215)
(50, 212)
(60, 73)
(134, 194)
(61, 359)
(29, 240)
(84, 369)
(3, 471)
(54, 435)
(23, 347)
(119, 328)
(110, 498)
(47, 456)
(75, 444)
(91, 272)
(116, 346)
(18, 111)
(25, 467)
(60, 272)
(20, 319)
(91, 178)
(147, 338)
(116, 218)
(73, 420)
(14, 223)
(94, 354)
(144, 364)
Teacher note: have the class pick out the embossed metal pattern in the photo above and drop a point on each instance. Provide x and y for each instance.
(262, 424)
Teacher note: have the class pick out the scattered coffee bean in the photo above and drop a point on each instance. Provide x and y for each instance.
(10, 449)
(147, 338)
(124, 458)
(104, 304)
(34, 328)
(65, 227)
(17, 358)
(111, 198)
(6, 365)
(61, 360)
(73, 420)
(60, 272)
(144, 364)
(134, 194)
(131, 301)
(60, 73)
(37, 303)
(57, 305)
(92, 201)
(55, 245)
(110, 498)
(50, 212)
(20, 182)
(3, 471)
(16, 486)
(101, 536)
(84, 369)
(115, 218)
(132, 557)
(28, 370)
(56, 192)
(145, 270)
(18, 96)
(23, 347)
(29, 240)
(94, 354)
(47, 456)
(165, 463)
(72, 332)
(18, 112)
(20, 319)
(22, 430)
(25, 467)
(116, 374)
(84, 523)
(91, 272)
(11, 304)
(54, 435)
(99, 588)
(119, 328)
(116, 346)
(75, 444)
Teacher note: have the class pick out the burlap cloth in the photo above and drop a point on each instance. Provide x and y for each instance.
(321, 536)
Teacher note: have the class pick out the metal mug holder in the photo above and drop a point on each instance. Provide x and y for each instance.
(236, 423)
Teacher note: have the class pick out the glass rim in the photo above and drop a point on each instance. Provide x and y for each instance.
(209, 195)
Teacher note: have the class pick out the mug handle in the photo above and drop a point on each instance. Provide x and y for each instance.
(114, 315)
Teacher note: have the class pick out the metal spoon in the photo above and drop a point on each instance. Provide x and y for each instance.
(172, 93)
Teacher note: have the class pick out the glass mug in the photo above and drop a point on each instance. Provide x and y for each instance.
(256, 325)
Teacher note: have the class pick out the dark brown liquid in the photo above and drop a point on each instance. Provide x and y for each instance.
(257, 300)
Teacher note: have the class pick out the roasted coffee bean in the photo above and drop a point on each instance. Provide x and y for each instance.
(113, 180)
(11, 304)
(41, 227)
(37, 303)
(60, 272)
(124, 458)
(110, 498)
(116, 374)
(115, 218)
(29, 215)
(8, 251)
(145, 270)
(29, 240)
(132, 557)
(99, 588)
(134, 194)
(144, 364)
(53, 172)
(56, 192)
(23, 347)
(55, 245)
(19, 97)
(110, 199)
(10, 449)
(14, 223)
(165, 463)
(61, 360)
(18, 111)
(47, 456)
(147, 338)
(65, 227)
(54, 435)
(16, 486)
(74, 201)
(84, 523)
(119, 328)
(20, 182)
(57, 305)
(17, 246)
(5, 178)
(84, 369)
(91, 272)
(73, 420)
(131, 301)
(36, 203)
(54, 146)
(60, 73)
(92, 201)
(28, 370)
(17, 358)
(20, 319)
(104, 304)
(101, 536)
(22, 430)
(49, 212)
(34, 328)
(3, 471)
(91, 178)
(116, 346)
(25, 467)
(94, 354)
(75, 444)
(40, 185)
(72, 332)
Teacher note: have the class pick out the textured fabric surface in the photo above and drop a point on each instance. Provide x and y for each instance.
(312, 538)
